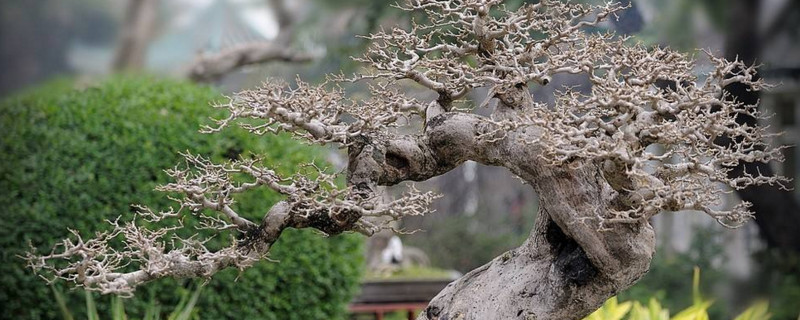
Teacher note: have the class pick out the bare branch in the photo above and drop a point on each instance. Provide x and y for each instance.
(207, 190)
(209, 67)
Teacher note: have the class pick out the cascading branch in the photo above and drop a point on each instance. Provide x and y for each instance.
(208, 192)
(648, 136)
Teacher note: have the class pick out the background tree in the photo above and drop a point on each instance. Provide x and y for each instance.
(34, 36)
(602, 162)
(137, 30)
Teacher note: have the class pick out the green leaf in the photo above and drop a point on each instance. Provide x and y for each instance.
(758, 311)
(91, 308)
(611, 310)
(152, 311)
(695, 312)
(639, 312)
(118, 309)
(656, 311)
(696, 297)
(189, 309)
(62, 305)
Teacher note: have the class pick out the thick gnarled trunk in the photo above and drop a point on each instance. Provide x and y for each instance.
(570, 263)
(566, 268)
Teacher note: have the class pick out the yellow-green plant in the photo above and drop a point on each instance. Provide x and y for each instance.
(653, 311)
(699, 308)
(759, 311)
(612, 309)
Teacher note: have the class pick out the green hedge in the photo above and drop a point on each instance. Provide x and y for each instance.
(74, 157)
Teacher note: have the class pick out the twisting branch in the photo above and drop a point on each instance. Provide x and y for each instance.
(207, 191)
(210, 67)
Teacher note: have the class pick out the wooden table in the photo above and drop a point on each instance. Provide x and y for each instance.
(378, 310)
(379, 297)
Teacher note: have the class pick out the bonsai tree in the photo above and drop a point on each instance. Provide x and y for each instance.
(603, 160)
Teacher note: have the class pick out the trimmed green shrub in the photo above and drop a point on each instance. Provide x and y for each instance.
(72, 158)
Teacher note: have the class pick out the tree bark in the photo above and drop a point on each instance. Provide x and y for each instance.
(137, 30)
(213, 67)
(567, 267)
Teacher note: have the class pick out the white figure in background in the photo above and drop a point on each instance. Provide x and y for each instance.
(393, 253)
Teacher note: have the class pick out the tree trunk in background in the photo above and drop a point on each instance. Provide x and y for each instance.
(137, 29)
(33, 38)
(777, 212)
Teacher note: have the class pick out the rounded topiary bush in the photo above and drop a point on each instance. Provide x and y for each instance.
(72, 158)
